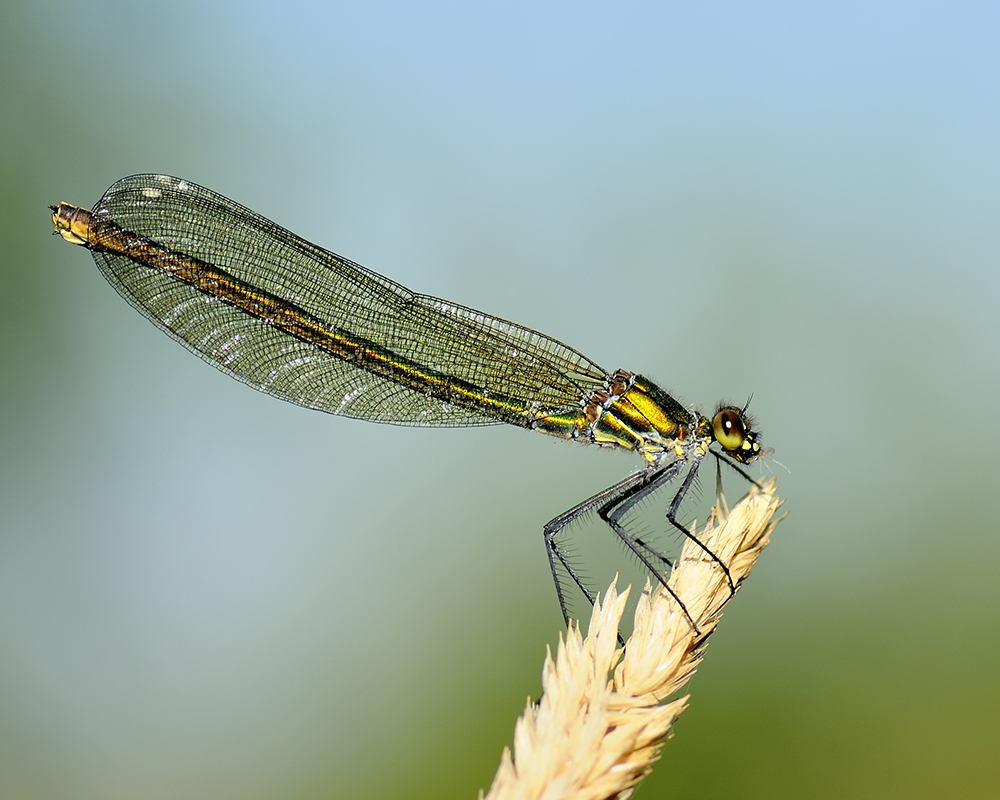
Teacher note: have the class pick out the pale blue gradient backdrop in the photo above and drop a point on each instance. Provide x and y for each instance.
(207, 593)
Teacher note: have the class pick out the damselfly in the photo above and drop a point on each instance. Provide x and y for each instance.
(306, 325)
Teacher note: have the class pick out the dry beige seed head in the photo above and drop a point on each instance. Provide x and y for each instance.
(602, 719)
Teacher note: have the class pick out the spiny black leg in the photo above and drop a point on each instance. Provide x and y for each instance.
(668, 474)
(555, 525)
(555, 554)
(630, 500)
(612, 505)
(675, 505)
(720, 457)
(616, 508)
(632, 544)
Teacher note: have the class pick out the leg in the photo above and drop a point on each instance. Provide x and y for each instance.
(615, 508)
(721, 458)
(627, 501)
(555, 554)
(611, 505)
(675, 506)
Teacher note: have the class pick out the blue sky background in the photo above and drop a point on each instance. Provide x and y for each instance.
(208, 593)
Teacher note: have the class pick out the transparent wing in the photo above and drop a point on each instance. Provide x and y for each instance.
(491, 354)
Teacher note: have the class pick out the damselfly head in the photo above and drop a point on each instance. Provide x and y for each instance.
(732, 428)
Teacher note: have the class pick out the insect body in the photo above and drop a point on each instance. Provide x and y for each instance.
(306, 325)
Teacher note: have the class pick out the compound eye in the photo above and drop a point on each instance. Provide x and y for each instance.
(729, 429)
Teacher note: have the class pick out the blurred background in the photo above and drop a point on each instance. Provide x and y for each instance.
(207, 593)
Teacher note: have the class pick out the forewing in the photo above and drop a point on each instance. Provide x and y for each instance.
(495, 355)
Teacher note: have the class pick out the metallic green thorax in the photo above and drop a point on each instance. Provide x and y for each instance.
(634, 414)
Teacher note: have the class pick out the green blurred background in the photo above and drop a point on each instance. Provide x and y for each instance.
(206, 593)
